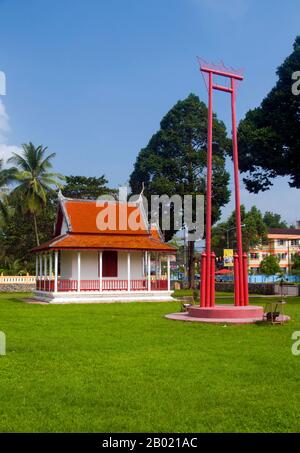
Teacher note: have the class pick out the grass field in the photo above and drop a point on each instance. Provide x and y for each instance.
(124, 367)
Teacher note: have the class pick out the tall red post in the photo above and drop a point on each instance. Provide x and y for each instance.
(203, 280)
(236, 281)
(212, 279)
(209, 191)
(240, 262)
(245, 276)
(237, 195)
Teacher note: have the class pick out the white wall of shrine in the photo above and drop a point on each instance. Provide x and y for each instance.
(57, 279)
(136, 265)
(89, 265)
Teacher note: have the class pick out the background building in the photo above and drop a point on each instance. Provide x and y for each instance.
(282, 242)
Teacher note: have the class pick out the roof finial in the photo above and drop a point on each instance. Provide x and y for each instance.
(60, 194)
(142, 191)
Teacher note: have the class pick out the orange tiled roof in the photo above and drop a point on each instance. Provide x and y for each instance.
(83, 215)
(83, 232)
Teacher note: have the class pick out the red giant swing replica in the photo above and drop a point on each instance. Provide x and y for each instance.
(241, 311)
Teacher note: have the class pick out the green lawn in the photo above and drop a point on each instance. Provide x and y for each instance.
(124, 367)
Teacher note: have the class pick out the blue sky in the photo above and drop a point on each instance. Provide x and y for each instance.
(92, 79)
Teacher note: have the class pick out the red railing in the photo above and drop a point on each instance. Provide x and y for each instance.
(139, 285)
(89, 285)
(44, 285)
(49, 285)
(114, 285)
(67, 285)
(107, 285)
(159, 285)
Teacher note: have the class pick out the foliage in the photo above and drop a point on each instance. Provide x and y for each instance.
(273, 220)
(86, 187)
(13, 267)
(269, 265)
(254, 231)
(35, 197)
(3, 208)
(35, 180)
(296, 262)
(269, 139)
(7, 175)
(174, 161)
(17, 236)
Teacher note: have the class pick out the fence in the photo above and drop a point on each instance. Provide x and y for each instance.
(13, 279)
(273, 278)
(260, 278)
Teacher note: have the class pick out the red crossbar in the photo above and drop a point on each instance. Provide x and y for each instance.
(231, 75)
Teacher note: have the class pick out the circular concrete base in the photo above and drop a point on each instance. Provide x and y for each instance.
(226, 311)
(221, 314)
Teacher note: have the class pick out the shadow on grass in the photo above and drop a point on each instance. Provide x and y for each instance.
(15, 297)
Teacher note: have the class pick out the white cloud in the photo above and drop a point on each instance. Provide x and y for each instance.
(5, 149)
(4, 122)
(2, 83)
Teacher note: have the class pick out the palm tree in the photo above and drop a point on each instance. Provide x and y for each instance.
(14, 266)
(7, 175)
(35, 180)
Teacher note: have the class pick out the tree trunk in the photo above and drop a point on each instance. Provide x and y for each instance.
(191, 264)
(36, 229)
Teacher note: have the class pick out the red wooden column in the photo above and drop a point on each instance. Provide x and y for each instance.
(203, 280)
(237, 196)
(245, 275)
(212, 279)
(209, 192)
(236, 281)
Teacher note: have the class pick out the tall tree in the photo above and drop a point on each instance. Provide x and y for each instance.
(86, 187)
(254, 231)
(7, 175)
(270, 265)
(17, 237)
(35, 179)
(273, 220)
(269, 136)
(296, 263)
(174, 161)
